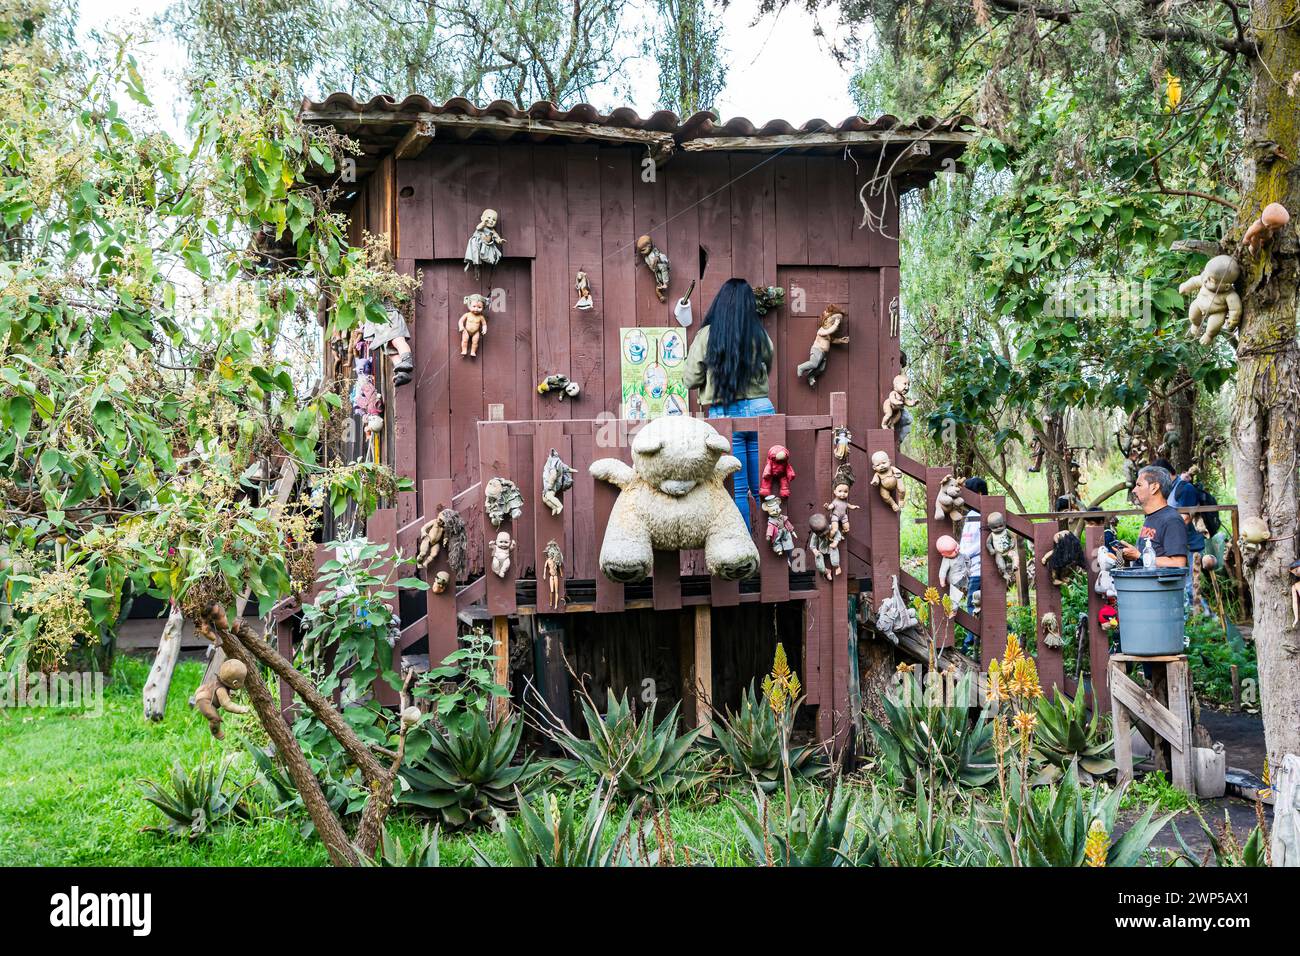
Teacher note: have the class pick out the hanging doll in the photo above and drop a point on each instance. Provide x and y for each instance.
(1106, 563)
(583, 287)
(831, 322)
(949, 502)
(1273, 218)
(502, 548)
(768, 297)
(484, 246)
(824, 544)
(214, 696)
(777, 469)
(897, 402)
(1108, 618)
(657, 262)
(1050, 634)
(1217, 303)
(1065, 558)
(894, 616)
(446, 530)
(441, 580)
(839, 507)
(557, 478)
(473, 324)
(502, 500)
(949, 551)
(393, 330)
(840, 440)
(780, 529)
(1295, 593)
(553, 571)
(889, 480)
(1001, 544)
(559, 384)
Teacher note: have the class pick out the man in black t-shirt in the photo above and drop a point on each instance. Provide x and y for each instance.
(1164, 526)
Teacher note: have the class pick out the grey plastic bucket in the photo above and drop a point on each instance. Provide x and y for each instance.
(1151, 610)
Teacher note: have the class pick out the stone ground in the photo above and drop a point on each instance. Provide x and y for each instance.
(1243, 738)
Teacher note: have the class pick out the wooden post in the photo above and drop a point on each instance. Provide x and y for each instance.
(552, 675)
(1236, 690)
(1051, 665)
(686, 665)
(1170, 720)
(704, 666)
(501, 648)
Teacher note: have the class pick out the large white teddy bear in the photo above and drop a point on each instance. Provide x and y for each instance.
(673, 498)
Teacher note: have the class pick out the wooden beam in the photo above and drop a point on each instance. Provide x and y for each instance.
(823, 139)
(501, 648)
(417, 138)
(553, 676)
(704, 666)
(686, 666)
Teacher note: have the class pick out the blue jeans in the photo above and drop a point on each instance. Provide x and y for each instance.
(744, 445)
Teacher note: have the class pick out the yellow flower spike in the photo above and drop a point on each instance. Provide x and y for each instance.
(931, 596)
(1097, 845)
(1026, 721)
(1013, 652)
(1173, 92)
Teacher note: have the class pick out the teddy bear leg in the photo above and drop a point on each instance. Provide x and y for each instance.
(729, 551)
(626, 554)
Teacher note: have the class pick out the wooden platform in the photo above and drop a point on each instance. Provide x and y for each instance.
(1170, 719)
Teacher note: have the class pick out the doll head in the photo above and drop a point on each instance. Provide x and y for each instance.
(902, 383)
(817, 523)
(488, 219)
(832, 318)
(1274, 216)
(1220, 273)
(997, 522)
(503, 541)
(841, 490)
(644, 245)
(475, 303)
(771, 505)
(880, 462)
(946, 546)
(440, 582)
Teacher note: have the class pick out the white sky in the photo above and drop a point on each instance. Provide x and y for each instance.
(777, 69)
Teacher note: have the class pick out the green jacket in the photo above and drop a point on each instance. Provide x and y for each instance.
(697, 373)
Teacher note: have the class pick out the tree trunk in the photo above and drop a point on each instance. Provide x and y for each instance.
(164, 666)
(1267, 405)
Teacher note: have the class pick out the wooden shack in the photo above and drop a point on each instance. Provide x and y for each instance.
(775, 205)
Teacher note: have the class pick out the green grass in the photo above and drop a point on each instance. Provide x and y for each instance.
(69, 791)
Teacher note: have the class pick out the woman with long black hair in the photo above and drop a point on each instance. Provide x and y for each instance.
(728, 362)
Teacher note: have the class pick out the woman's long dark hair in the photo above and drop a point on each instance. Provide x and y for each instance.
(737, 340)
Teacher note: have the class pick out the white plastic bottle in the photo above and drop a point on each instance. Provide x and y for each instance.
(1148, 554)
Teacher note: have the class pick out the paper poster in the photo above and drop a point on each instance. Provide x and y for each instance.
(653, 363)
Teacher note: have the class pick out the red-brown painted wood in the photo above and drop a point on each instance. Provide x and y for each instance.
(437, 494)
(1098, 641)
(415, 201)
(773, 568)
(432, 384)
(791, 193)
(494, 460)
(1051, 667)
(723, 593)
(548, 527)
(451, 218)
(619, 264)
(993, 590)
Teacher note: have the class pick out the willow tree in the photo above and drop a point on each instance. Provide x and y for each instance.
(1001, 59)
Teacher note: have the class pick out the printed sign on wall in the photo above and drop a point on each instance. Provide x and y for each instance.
(653, 363)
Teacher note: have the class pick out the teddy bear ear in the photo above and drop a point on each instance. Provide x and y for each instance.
(717, 443)
(647, 443)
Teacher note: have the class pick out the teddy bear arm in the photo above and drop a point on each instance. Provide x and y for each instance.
(613, 471)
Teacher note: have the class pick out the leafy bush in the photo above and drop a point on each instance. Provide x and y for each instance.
(195, 802)
(465, 684)
(1155, 790)
(463, 776)
(1211, 656)
(636, 757)
(1066, 738)
(749, 741)
(931, 740)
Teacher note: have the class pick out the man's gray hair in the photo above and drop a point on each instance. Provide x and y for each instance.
(1160, 476)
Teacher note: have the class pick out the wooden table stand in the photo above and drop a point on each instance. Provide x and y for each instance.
(1170, 720)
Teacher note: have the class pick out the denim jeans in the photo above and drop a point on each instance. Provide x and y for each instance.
(744, 445)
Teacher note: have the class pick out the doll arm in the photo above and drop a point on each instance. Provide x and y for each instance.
(460, 323)
(613, 471)
(225, 703)
(1191, 285)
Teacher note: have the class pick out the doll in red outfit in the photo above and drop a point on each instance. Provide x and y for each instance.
(778, 469)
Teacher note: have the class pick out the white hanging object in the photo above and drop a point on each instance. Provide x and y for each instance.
(682, 313)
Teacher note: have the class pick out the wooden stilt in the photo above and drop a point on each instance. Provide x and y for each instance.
(686, 665)
(501, 648)
(1170, 721)
(552, 675)
(704, 666)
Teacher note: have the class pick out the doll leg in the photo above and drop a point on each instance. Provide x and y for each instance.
(464, 343)
(473, 345)
(813, 364)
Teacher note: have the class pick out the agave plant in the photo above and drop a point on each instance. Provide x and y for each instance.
(1225, 849)
(551, 833)
(195, 802)
(422, 851)
(463, 776)
(636, 757)
(1052, 826)
(822, 838)
(893, 834)
(1066, 737)
(749, 742)
(922, 738)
